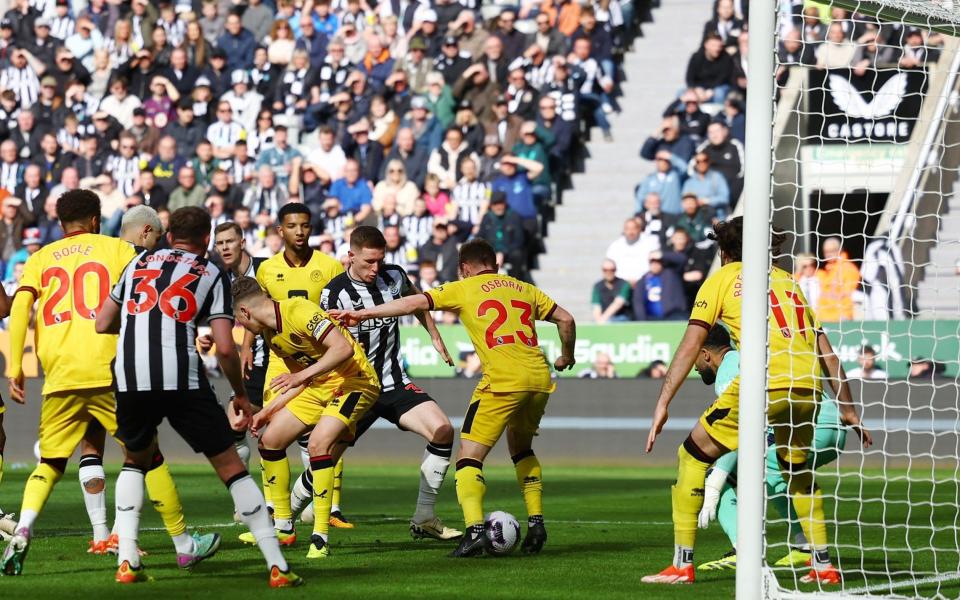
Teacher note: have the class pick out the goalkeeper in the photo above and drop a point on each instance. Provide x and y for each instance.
(719, 365)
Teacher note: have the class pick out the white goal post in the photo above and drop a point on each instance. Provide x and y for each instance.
(899, 543)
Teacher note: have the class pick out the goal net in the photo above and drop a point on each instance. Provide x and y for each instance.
(865, 157)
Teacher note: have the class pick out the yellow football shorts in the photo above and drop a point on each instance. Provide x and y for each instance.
(790, 413)
(64, 417)
(490, 413)
(274, 368)
(347, 401)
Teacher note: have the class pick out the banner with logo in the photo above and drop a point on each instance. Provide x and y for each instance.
(633, 346)
(878, 106)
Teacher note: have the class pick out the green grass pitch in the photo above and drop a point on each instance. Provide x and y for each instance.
(607, 527)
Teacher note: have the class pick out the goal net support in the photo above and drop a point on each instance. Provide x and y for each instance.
(853, 150)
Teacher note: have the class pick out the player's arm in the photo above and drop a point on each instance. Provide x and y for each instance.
(837, 378)
(246, 353)
(679, 369)
(263, 416)
(225, 350)
(334, 350)
(108, 319)
(395, 308)
(567, 330)
(426, 320)
(19, 321)
(4, 303)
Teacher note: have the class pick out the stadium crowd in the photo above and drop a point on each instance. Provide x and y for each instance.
(437, 121)
(654, 270)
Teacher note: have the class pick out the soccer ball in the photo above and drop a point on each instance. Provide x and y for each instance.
(503, 531)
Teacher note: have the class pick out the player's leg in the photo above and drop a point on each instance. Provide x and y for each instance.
(93, 483)
(284, 429)
(7, 524)
(521, 429)
(336, 515)
(63, 421)
(203, 424)
(413, 410)
(791, 415)
(714, 434)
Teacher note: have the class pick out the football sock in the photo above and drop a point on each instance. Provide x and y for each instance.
(727, 513)
(323, 477)
(471, 488)
(243, 450)
(337, 485)
(162, 492)
(304, 442)
(1, 467)
(266, 488)
(687, 495)
(93, 483)
(129, 503)
(276, 470)
(682, 556)
(250, 505)
(38, 488)
(810, 513)
(530, 478)
(433, 468)
(302, 493)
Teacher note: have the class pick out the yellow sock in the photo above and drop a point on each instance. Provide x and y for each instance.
(530, 478)
(471, 488)
(39, 486)
(323, 472)
(809, 509)
(162, 492)
(276, 477)
(688, 494)
(337, 485)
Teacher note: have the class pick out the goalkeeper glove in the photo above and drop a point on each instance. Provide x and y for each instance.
(716, 478)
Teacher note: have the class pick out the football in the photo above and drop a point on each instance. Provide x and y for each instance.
(503, 530)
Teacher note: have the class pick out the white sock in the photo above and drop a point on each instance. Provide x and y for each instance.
(184, 544)
(682, 556)
(250, 505)
(821, 559)
(91, 468)
(129, 503)
(27, 519)
(244, 451)
(301, 496)
(303, 442)
(432, 471)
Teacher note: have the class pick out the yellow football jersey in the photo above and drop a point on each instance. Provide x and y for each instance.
(498, 313)
(282, 279)
(71, 278)
(299, 320)
(793, 326)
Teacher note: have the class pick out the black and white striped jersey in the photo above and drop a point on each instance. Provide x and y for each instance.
(163, 295)
(260, 354)
(380, 338)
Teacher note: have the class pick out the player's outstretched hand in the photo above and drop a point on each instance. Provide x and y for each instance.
(205, 343)
(564, 362)
(441, 349)
(16, 389)
(659, 420)
(349, 318)
(866, 439)
(246, 362)
(259, 421)
(286, 381)
(242, 411)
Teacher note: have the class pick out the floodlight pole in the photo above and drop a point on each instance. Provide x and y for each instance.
(753, 342)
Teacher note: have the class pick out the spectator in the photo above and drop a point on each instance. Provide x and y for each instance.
(238, 43)
(631, 251)
(695, 219)
(445, 161)
(502, 124)
(659, 294)
(695, 260)
(710, 70)
(596, 87)
(49, 223)
(691, 119)
(258, 19)
(231, 193)
(503, 228)
(925, 369)
(166, 164)
(187, 193)
(11, 228)
(328, 158)
(283, 159)
(186, 131)
(33, 192)
(398, 251)
(150, 193)
(724, 24)
(611, 296)
(807, 279)
(224, 133)
(516, 182)
(837, 51)
(658, 222)
(244, 102)
(657, 369)
(665, 183)
(31, 243)
(120, 103)
(709, 187)
(726, 157)
(265, 199)
(732, 116)
(368, 153)
(916, 54)
(839, 278)
(470, 198)
(667, 137)
(452, 62)
(602, 368)
(396, 184)
(437, 200)
(441, 250)
(868, 369)
(354, 192)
